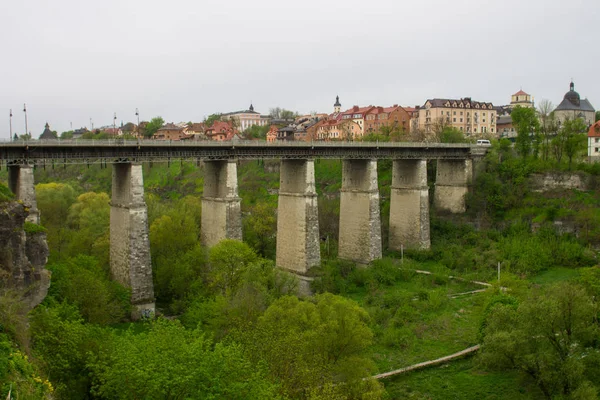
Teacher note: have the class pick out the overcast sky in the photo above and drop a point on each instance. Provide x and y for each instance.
(72, 60)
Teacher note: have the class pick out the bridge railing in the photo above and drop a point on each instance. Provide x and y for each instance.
(223, 144)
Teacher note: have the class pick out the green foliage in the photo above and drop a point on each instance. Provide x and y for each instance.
(210, 120)
(154, 125)
(63, 346)
(552, 337)
(82, 282)
(18, 375)
(13, 319)
(452, 135)
(309, 345)
(260, 228)
(229, 260)
(256, 132)
(89, 216)
(527, 125)
(572, 138)
(54, 201)
(31, 229)
(171, 362)
(5, 193)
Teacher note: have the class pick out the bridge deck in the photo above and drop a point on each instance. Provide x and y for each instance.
(42, 152)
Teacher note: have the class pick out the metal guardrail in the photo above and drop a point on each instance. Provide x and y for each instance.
(223, 144)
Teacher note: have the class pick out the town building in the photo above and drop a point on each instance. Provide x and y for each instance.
(505, 128)
(272, 133)
(521, 99)
(474, 118)
(47, 134)
(572, 107)
(393, 117)
(594, 142)
(222, 131)
(170, 131)
(246, 118)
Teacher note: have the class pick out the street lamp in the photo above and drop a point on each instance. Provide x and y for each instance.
(25, 111)
(10, 122)
(137, 114)
(115, 124)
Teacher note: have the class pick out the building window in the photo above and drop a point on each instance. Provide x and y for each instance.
(454, 119)
(454, 113)
(461, 120)
(461, 113)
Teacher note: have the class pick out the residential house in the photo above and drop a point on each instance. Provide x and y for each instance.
(222, 131)
(573, 107)
(356, 114)
(286, 133)
(474, 118)
(393, 117)
(594, 142)
(171, 131)
(246, 118)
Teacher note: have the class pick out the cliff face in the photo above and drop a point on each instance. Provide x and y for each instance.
(23, 255)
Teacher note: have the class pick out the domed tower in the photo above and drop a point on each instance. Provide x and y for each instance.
(573, 106)
(337, 107)
(572, 96)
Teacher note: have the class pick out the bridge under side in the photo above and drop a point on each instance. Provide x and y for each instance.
(409, 205)
(221, 205)
(130, 262)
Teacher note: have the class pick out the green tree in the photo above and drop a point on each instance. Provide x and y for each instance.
(527, 125)
(89, 216)
(597, 116)
(260, 228)
(452, 135)
(54, 201)
(210, 120)
(574, 138)
(552, 337)
(311, 345)
(66, 135)
(256, 132)
(229, 260)
(154, 125)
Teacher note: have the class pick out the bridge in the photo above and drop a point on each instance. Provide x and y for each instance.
(298, 247)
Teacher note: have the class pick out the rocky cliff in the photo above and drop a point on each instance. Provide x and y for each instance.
(23, 254)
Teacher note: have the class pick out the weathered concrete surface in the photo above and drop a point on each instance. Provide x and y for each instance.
(129, 242)
(297, 218)
(21, 183)
(23, 256)
(409, 205)
(360, 220)
(221, 205)
(452, 184)
(559, 181)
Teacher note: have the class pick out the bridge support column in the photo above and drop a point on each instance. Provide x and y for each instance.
(360, 221)
(221, 205)
(409, 205)
(298, 247)
(452, 184)
(129, 243)
(21, 183)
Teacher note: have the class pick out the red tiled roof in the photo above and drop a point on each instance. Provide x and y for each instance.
(594, 130)
(520, 93)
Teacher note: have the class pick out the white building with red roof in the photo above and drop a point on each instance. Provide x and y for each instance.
(594, 142)
(521, 99)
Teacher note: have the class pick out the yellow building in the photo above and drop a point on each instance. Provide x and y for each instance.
(521, 99)
(474, 118)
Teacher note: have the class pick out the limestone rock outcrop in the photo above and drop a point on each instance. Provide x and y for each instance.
(23, 254)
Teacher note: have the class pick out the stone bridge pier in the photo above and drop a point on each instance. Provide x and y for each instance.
(21, 183)
(129, 243)
(221, 205)
(360, 220)
(409, 205)
(298, 247)
(452, 184)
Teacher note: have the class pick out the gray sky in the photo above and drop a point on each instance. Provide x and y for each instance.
(72, 60)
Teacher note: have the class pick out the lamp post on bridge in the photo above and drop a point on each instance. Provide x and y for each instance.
(10, 123)
(25, 111)
(115, 124)
(137, 114)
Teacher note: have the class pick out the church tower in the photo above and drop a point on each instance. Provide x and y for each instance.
(337, 107)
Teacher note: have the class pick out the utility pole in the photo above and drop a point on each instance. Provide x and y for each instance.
(10, 122)
(25, 111)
